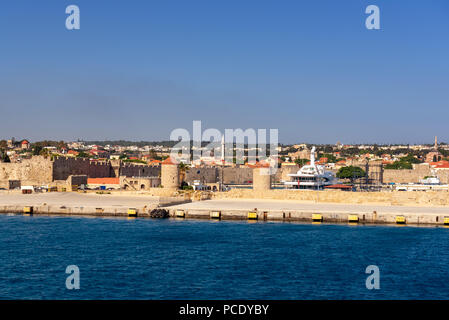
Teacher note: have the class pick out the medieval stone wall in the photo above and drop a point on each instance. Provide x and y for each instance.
(283, 172)
(63, 167)
(137, 170)
(237, 175)
(37, 170)
(411, 198)
(42, 170)
(407, 175)
(204, 174)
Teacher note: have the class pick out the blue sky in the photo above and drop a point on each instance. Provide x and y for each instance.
(139, 69)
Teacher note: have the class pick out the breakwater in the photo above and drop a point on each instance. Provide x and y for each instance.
(266, 210)
(311, 216)
(145, 211)
(225, 209)
(85, 204)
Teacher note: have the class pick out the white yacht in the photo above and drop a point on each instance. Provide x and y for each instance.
(432, 180)
(311, 176)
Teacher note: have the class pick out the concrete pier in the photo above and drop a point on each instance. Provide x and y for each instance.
(84, 204)
(284, 210)
(72, 203)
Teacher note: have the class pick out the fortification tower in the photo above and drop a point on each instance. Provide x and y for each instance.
(261, 177)
(169, 174)
(115, 167)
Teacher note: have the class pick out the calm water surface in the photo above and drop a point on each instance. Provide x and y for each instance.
(172, 259)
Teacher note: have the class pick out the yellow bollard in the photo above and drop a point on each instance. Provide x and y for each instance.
(400, 220)
(180, 214)
(215, 215)
(353, 218)
(317, 217)
(28, 210)
(132, 212)
(252, 215)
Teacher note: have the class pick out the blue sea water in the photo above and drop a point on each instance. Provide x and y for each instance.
(172, 259)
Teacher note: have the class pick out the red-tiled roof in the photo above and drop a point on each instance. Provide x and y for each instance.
(338, 186)
(169, 160)
(103, 181)
(259, 165)
(439, 163)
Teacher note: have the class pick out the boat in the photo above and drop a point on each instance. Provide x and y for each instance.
(311, 176)
(432, 180)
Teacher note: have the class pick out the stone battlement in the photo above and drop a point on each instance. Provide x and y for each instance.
(43, 170)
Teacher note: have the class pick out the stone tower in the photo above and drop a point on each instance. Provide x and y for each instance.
(169, 174)
(261, 177)
(115, 167)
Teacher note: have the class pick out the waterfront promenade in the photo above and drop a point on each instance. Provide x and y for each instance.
(74, 199)
(286, 205)
(117, 204)
(72, 203)
(290, 210)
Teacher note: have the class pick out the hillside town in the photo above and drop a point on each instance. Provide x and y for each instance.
(137, 166)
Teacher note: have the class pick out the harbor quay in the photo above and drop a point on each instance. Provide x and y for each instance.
(313, 193)
(288, 210)
(125, 204)
(88, 204)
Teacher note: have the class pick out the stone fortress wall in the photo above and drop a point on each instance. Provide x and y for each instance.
(233, 175)
(419, 172)
(41, 170)
(410, 198)
(38, 170)
(63, 167)
(138, 170)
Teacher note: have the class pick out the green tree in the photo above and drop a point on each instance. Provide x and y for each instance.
(4, 156)
(153, 155)
(351, 173)
(37, 150)
(82, 154)
(410, 158)
(301, 162)
(398, 165)
(183, 167)
(330, 157)
(403, 163)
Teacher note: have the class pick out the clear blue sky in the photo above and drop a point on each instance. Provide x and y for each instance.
(138, 69)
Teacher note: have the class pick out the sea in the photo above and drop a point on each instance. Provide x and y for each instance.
(143, 258)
